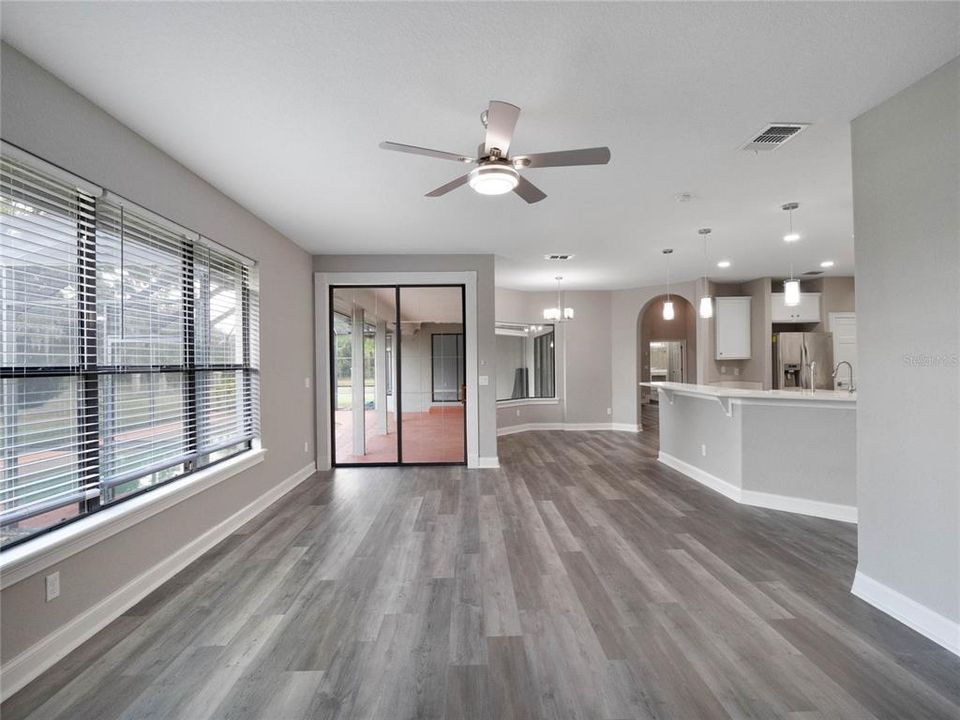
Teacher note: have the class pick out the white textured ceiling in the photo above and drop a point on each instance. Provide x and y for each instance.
(282, 105)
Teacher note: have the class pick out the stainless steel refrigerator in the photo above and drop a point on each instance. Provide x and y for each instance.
(803, 360)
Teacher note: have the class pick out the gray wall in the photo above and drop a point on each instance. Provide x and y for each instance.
(803, 452)
(483, 266)
(47, 118)
(758, 369)
(906, 192)
(691, 422)
(584, 381)
(837, 294)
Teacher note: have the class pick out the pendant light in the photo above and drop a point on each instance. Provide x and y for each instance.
(558, 313)
(791, 236)
(791, 287)
(706, 302)
(668, 304)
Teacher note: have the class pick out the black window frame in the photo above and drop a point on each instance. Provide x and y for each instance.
(88, 372)
(538, 349)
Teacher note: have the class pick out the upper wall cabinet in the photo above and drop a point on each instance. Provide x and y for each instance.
(733, 328)
(808, 311)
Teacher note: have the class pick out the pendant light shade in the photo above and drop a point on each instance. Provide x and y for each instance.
(706, 302)
(668, 313)
(706, 307)
(791, 293)
(791, 287)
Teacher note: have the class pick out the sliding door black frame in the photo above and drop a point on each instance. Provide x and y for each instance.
(398, 361)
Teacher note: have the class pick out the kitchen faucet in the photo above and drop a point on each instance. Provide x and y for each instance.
(836, 370)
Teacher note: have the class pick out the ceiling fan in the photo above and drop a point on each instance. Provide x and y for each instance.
(496, 170)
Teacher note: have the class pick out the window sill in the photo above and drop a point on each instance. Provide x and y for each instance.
(34, 556)
(528, 401)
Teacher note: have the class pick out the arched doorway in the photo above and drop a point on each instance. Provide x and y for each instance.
(666, 349)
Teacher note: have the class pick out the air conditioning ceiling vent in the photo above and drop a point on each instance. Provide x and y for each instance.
(559, 256)
(773, 136)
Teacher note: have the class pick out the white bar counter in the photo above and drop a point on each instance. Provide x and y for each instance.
(781, 449)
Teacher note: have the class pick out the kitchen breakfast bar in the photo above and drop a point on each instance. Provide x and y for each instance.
(780, 449)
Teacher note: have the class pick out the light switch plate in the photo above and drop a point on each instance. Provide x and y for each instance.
(306, 382)
(483, 380)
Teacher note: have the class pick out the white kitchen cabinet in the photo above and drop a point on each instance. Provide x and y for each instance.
(808, 311)
(733, 328)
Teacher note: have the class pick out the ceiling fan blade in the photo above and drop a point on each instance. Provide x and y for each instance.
(501, 120)
(528, 191)
(414, 150)
(452, 185)
(564, 158)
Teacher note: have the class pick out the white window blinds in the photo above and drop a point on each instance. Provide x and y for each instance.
(128, 347)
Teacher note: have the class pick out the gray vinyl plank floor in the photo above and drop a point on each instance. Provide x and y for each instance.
(580, 580)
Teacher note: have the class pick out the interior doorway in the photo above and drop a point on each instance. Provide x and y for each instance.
(668, 361)
(397, 375)
(666, 346)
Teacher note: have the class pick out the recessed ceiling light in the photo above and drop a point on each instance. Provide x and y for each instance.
(826, 264)
(723, 264)
(791, 237)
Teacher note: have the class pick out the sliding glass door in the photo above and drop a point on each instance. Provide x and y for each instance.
(363, 327)
(397, 375)
(432, 374)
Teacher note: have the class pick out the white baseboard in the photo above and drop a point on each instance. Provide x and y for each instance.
(801, 506)
(770, 501)
(33, 661)
(703, 477)
(570, 427)
(490, 463)
(929, 623)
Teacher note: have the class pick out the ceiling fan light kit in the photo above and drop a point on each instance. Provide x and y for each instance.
(496, 171)
(493, 179)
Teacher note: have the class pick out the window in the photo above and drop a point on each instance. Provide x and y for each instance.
(526, 361)
(447, 372)
(128, 351)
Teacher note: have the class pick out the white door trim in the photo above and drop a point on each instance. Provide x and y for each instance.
(322, 283)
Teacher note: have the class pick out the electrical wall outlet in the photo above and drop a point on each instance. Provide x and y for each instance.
(306, 383)
(518, 412)
(723, 369)
(736, 371)
(703, 450)
(53, 586)
(306, 446)
(609, 411)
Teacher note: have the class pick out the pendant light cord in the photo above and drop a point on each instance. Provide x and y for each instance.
(668, 253)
